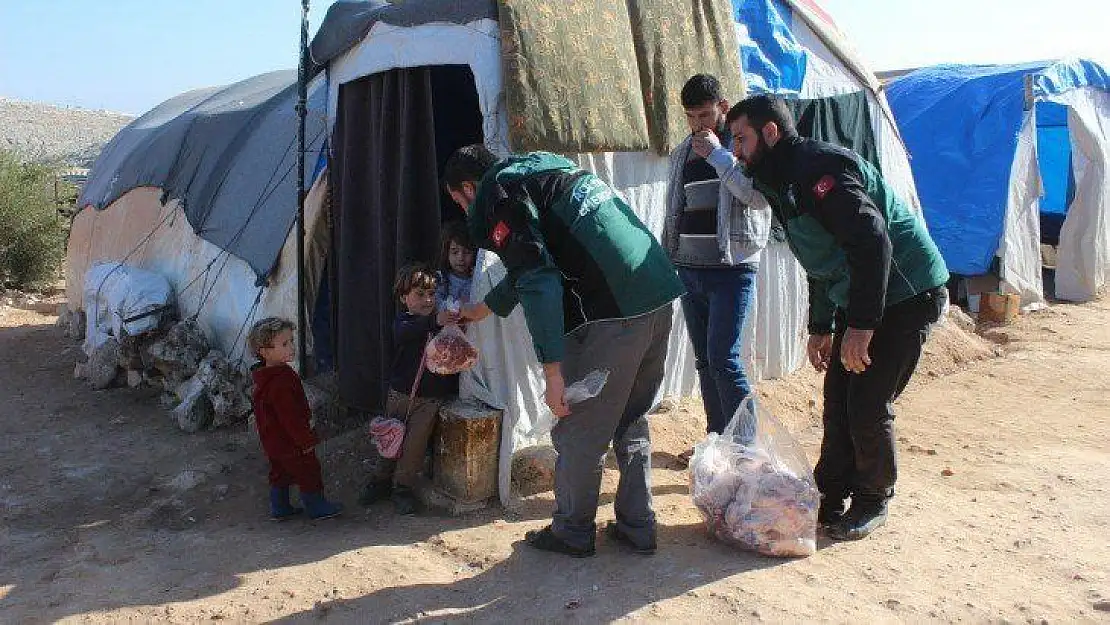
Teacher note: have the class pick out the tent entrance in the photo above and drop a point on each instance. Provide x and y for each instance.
(393, 132)
(1054, 161)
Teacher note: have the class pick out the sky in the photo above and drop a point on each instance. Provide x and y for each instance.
(130, 55)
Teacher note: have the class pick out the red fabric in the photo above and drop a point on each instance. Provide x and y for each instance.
(282, 414)
(302, 470)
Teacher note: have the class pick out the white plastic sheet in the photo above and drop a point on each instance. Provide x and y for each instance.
(1020, 247)
(116, 296)
(1083, 260)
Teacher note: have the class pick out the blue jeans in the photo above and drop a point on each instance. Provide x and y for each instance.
(716, 307)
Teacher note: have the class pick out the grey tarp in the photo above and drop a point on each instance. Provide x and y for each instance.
(347, 22)
(227, 154)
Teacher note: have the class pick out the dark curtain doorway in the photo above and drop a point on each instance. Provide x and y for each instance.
(393, 132)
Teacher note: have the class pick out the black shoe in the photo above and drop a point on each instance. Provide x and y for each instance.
(613, 532)
(867, 514)
(831, 512)
(546, 540)
(374, 492)
(404, 501)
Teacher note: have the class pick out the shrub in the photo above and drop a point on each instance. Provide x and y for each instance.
(32, 234)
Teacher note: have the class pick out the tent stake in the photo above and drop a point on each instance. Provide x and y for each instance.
(302, 91)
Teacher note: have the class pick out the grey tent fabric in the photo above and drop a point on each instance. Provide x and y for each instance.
(385, 212)
(347, 22)
(227, 154)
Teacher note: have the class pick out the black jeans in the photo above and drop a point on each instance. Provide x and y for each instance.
(858, 448)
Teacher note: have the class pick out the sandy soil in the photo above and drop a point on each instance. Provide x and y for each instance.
(109, 514)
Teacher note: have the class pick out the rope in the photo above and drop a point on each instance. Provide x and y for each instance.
(268, 190)
(141, 244)
(246, 321)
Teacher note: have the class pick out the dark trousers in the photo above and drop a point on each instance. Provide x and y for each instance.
(302, 470)
(858, 448)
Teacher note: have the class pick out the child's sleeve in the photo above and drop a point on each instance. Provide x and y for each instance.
(293, 414)
(410, 328)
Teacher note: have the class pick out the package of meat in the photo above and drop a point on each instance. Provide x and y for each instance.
(387, 433)
(450, 352)
(753, 486)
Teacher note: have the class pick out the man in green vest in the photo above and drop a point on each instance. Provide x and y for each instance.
(596, 289)
(876, 287)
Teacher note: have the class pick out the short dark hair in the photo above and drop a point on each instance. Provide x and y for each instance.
(413, 276)
(468, 164)
(763, 109)
(701, 89)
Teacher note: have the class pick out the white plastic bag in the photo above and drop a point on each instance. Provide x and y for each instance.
(588, 387)
(753, 486)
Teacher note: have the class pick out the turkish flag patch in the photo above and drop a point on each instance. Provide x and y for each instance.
(500, 233)
(824, 185)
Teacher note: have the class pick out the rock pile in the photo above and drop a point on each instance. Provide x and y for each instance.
(200, 387)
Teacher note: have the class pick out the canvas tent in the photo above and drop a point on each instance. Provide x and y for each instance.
(1007, 157)
(794, 49)
(200, 188)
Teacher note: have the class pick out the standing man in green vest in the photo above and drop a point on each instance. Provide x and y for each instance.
(876, 287)
(597, 291)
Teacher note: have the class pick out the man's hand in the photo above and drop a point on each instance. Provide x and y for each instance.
(474, 312)
(704, 142)
(819, 349)
(555, 393)
(853, 349)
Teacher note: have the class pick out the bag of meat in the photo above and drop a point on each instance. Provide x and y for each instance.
(753, 486)
(450, 352)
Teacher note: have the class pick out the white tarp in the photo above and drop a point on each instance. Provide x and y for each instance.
(1083, 259)
(122, 300)
(1019, 249)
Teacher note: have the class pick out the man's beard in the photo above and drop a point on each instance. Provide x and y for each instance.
(757, 157)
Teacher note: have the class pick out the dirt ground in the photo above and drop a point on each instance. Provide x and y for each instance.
(110, 514)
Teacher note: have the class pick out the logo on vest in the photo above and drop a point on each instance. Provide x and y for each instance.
(500, 234)
(591, 194)
(823, 186)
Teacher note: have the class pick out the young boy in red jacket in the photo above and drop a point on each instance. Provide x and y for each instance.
(282, 415)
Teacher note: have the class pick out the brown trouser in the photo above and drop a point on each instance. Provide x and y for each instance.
(418, 431)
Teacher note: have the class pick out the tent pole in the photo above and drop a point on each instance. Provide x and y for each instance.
(302, 91)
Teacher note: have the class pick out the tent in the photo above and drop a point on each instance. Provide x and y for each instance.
(795, 50)
(1007, 157)
(201, 187)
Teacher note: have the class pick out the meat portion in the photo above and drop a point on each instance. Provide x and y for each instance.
(450, 352)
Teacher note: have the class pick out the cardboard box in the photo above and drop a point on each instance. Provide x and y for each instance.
(999, 307)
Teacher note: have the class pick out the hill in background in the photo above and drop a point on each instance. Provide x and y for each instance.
(67, 137)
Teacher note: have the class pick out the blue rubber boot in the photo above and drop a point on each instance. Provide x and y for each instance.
(319, 507)
(280, 508)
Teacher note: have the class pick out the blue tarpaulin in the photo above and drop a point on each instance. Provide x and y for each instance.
(772, 58)
(961, 124)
